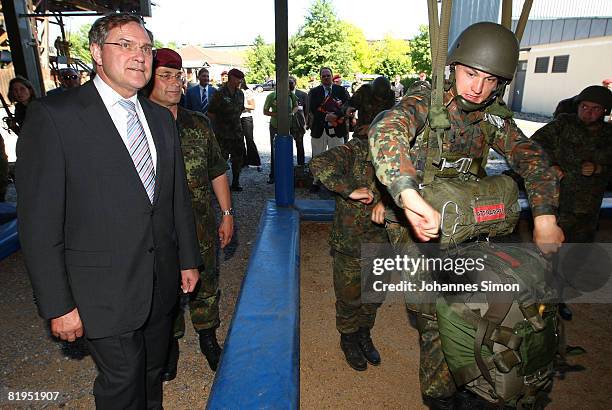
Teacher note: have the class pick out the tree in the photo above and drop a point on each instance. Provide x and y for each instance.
(79, 44)
(391, 57)
(362, 55)
(321, 41)
(260, 61)
(420, 51)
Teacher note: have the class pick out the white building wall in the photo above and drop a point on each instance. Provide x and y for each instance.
(590, 61)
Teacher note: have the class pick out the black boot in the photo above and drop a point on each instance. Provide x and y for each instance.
(367, 346)
(349, 343)
(210, 347)
(439, 403)
(169, 372)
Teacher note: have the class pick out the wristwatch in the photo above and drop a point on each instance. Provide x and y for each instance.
(226, 212)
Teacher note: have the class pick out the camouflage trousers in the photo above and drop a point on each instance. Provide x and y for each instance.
(3, 170)
(203, 301)
(233, 147)
(434, 375)
(578, 228)
(351, 314)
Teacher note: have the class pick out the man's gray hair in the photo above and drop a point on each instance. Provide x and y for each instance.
(102, 26)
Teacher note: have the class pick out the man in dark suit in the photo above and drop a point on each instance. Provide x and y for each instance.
(325, 99)
(105, 216)
(197, 98)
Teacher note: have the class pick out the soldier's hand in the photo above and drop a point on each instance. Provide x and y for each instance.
(67, 327)
(547, 235)
(588, 168)
(425, 220)
(226, 230)
(363, 195)
(378, 213)
(189, 279)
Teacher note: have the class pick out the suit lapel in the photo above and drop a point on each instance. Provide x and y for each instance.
(99, 125)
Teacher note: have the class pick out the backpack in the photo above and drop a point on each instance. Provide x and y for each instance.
(502, 350)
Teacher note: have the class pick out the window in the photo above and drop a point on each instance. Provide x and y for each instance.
(560, 64)
(541, 65)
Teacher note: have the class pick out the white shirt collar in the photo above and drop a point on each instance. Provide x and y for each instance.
(109, 96)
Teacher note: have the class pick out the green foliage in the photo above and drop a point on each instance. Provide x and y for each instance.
(390, 57)
(420, 52)
(79, 44)
(321, 41)
(172, 45)
(361, 51)
(260, 61)
(158, 44)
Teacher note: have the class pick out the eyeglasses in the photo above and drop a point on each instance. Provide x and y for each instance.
(70, 77)
(128, 46)
(168, 76)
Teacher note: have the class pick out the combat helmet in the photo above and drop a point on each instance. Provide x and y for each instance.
(597, 94)
(489, 47)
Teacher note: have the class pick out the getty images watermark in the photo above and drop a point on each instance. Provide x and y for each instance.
(487, 272)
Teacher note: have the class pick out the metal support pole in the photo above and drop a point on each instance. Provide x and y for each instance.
(283, 143)
(24, 51)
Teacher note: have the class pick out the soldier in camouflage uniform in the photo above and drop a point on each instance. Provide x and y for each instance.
(482, 60)
(368, 101)
(205, 168)
(225, 109)
(358, 220)
(580, 145)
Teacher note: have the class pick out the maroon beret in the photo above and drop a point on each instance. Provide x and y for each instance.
(165, 57)
(236, 73)
(224, 72)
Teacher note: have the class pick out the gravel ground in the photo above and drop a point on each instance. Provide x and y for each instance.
(32, 361)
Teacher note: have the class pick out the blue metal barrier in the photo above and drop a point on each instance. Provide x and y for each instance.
(260, 365)
(9, 239)
(284, 189)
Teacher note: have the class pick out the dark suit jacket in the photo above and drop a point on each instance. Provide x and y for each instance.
(193, 99)
(302, 98)
(315, 99)
(89, 234)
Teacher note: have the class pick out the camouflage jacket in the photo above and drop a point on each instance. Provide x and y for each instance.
(342, 170)
(227, 109)
(569, 143)
(367, 105)
(392, 135)
(203, 163)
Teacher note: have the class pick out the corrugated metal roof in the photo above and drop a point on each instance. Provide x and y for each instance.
(141, 7)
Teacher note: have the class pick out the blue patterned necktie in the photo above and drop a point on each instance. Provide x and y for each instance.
(139, 148)
(204, 101)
